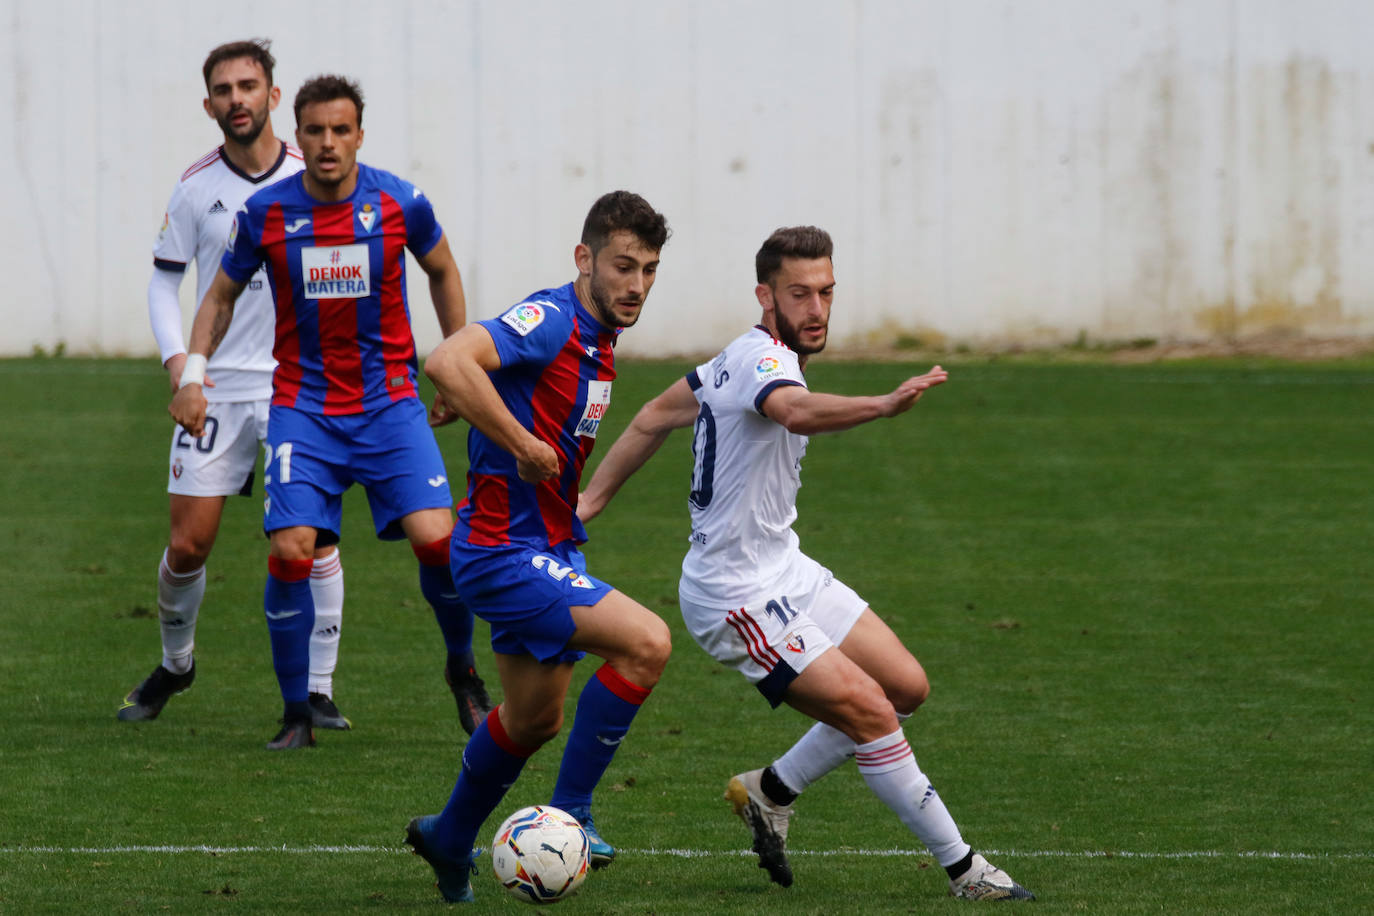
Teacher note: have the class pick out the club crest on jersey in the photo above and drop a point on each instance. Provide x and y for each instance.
(336, 272)
(598, 402)
(768, 367)
(558, 571)
(367, 216)
(527, 316)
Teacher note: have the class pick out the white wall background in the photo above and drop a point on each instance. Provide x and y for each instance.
(993, 171)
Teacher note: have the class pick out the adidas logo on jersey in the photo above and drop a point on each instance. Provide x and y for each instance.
(218, 207)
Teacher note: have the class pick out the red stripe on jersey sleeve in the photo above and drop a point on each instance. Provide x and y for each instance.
(339, 354)
(489, 524)
(286, 350)
(203, 162)
(398, 343)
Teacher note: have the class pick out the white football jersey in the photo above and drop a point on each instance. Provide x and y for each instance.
(196, 227)
(746, 474)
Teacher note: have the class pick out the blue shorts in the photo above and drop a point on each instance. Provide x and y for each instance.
(315, 458)
(525, 594)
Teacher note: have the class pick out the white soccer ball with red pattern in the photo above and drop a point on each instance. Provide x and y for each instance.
(540, 854)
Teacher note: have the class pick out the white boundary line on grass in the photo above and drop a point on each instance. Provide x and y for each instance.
(703, 853)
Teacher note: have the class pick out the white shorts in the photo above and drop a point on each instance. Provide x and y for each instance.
(774, 637)
(219, 463)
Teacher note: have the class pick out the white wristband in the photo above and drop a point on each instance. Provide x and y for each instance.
(193, 373)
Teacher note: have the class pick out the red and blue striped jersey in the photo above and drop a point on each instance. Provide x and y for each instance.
(337, 270)
(557, 365)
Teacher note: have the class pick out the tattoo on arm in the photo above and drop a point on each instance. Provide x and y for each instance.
(219, 328)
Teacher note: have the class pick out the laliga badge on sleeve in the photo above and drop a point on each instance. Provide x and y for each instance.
(769, 368)
(525, 317)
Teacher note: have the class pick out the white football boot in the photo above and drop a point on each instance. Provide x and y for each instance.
(766, 821)
(985, 881)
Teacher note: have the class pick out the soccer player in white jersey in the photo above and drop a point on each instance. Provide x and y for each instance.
(755, 602)
(206, 470)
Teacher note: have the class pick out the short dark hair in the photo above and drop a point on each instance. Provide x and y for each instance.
(326, 88)
(258, 49)
(791, 242)
(624, 211)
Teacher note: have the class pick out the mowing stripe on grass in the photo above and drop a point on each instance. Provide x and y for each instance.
(705, 853)
(1136, 374)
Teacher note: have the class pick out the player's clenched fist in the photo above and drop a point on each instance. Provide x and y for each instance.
(540, 462)
(188, 409)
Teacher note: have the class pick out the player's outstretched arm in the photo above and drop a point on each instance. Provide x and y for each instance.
(450, 305)
(807, 413)
(458, 368)
(673, 409)
(211, 322)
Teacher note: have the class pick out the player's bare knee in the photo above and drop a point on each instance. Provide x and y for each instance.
(188, 547)
(644, 654)
(187, 554)
(535, 730)
(656, 648)
(293, 544)
(906, 697)
(658, 645)
(643, 668)
(870, 715)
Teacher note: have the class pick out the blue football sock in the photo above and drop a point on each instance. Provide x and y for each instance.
(491, 764)
(605, 710)
(290, 611)
(452, 615)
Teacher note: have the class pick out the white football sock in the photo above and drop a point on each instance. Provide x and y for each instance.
(816, 753)
(327, 588)
(890, 769)
(178, 604)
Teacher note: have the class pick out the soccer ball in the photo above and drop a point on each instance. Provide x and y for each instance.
(540, 854)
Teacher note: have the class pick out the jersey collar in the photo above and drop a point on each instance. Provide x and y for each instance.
(228, 163)
(759, 327)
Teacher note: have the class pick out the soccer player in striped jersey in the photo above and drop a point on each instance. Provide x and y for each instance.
(345, 407)
(534, 384)
(755, 602)
(206, 470)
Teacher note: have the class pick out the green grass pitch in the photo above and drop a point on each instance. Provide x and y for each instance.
(1143, 596)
